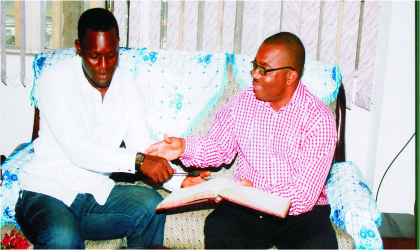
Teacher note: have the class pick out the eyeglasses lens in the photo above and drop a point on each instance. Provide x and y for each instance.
(260, 69)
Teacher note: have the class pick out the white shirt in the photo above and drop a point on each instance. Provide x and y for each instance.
(79, 137)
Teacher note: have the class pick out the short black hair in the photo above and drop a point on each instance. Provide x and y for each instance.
(96, 19)
(294, 45)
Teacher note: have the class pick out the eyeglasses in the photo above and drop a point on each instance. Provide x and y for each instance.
(264, 71)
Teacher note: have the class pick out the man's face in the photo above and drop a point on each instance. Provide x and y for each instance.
(271, 87)
(99, 52)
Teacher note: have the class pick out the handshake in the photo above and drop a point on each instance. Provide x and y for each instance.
(156, 166)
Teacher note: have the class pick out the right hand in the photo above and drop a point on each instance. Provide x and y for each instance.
(244, 182)
(170, 148)
(192, 181)
(156, 168)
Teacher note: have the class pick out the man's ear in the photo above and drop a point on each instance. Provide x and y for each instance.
(78, 46)
(292, 76)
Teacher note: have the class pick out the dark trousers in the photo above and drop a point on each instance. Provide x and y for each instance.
(237, 227)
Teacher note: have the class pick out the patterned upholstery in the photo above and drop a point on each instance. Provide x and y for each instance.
(353, 206)
(184, 227)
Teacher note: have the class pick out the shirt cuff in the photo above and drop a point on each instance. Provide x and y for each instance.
(121, 160)
(190, 148)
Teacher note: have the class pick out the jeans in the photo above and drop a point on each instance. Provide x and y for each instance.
(129, 211)
(236, 227)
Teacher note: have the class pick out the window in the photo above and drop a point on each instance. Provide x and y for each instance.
(164, 24)
(48, 25)
(10, 23)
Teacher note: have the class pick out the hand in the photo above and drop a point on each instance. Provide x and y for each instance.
(192, 181)
(244, 182)
(170, 148)
(156, 168)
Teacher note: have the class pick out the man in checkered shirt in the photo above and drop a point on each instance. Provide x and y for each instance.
(284, 138)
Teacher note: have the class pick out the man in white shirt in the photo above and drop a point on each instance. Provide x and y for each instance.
(87, 108)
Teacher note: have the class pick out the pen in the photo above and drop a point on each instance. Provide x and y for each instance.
(188, 174)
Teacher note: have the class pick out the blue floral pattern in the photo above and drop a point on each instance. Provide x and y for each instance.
(179, 88)
(206, 59)
(177, 101)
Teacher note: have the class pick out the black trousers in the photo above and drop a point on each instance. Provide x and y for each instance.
(237, 227)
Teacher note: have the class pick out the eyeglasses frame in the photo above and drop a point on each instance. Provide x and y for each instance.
(264, 71)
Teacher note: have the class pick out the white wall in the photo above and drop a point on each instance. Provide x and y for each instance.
(397, 120)
(17, 112)
(373, 138)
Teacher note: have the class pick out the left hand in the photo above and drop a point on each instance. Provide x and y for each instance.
(192, 181)
(156, 168)
(244, 182)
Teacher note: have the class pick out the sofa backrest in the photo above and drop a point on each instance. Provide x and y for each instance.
(185, 90)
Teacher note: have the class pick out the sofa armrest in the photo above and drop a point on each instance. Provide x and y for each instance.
(340, 116)
(10, 187)
(353, 207)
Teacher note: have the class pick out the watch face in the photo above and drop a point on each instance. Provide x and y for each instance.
(139, 158)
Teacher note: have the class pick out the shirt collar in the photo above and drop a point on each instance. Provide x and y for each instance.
(298, 94)
(79, 69)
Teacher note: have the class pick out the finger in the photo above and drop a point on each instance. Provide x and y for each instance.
(204, 173)
(198, 180)
(166, 138)
(149, 149)
(155, 178)
(168, 171)
(165, 173)
(161, 177)
(154, 153)
(152, 149)
(189, 181)
(243, 182)
(186, 183)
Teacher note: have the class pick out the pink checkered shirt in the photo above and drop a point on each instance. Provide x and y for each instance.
(287, 153)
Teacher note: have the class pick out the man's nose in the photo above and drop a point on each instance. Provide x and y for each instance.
(103, 62)
(255, 74)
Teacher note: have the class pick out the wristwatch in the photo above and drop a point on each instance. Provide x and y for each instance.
(140, 158)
